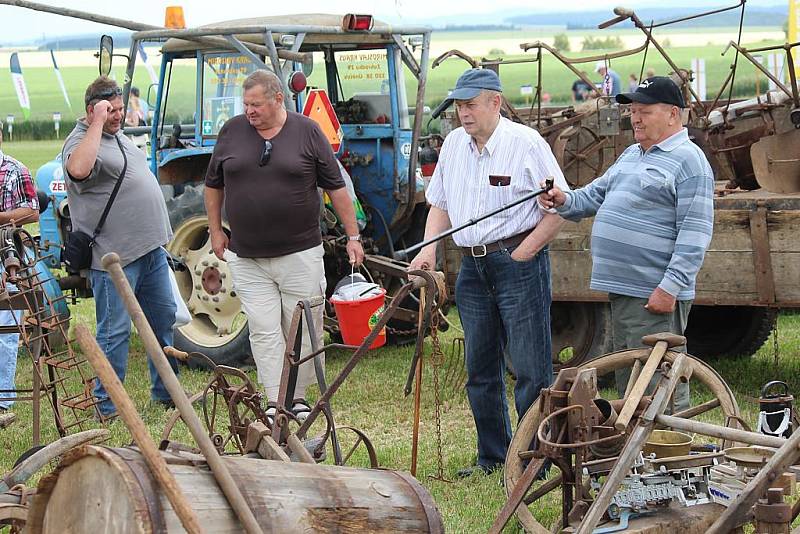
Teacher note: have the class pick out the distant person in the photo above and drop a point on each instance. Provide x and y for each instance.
(18, 204)
(633, 83)
(611, 82)
(135, 115)
(580, 89)
(650, 72)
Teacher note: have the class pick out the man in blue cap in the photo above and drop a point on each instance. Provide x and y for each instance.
(503, 287)
(654, 214)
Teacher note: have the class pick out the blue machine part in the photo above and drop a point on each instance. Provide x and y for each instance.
(50, 179)
(52, 289)
(375, 149)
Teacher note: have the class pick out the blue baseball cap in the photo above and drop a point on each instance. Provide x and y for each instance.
(472, 82)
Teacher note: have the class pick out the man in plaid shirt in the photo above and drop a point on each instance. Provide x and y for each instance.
(18, 203)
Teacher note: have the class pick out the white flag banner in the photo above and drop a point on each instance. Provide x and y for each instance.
(19, 86)
(60, 80)
(150, 71)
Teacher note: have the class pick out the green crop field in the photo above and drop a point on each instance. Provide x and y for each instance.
(556, 79)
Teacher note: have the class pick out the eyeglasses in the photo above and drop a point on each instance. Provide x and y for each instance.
(105, 95)
(267, 153)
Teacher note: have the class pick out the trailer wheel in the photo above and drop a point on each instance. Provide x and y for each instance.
(580, 331)
(219, 327)
(720, 331)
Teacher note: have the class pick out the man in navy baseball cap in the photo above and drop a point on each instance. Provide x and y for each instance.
(655, 90)
(503, 289)
(472, 82)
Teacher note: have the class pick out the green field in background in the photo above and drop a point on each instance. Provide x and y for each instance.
(46, 96)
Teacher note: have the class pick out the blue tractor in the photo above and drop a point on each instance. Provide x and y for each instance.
(365, 69)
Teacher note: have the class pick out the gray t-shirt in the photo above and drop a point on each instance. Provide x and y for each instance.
(138, 221)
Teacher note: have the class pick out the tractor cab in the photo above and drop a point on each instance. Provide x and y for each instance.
(360, 79)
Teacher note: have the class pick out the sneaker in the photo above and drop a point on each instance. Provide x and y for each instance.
(169, 404)
(478, 469)
(301, 409)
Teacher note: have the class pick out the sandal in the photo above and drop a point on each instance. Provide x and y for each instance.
(270, 413)
(301, 409)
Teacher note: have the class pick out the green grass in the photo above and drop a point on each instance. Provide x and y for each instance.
(372, 399)
(33, 154)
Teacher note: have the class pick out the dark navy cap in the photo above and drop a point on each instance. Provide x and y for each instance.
(472, 82)
(655, 90)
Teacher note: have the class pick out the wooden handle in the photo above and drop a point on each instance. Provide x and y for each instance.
(127, 411)
(172, 352)
(154, 350)
(639, 388)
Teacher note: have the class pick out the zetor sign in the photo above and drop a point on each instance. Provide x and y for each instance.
(318, 108)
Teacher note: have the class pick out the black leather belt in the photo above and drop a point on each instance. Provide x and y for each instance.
(479, 251)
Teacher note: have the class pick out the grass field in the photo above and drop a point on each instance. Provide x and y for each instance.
(556, 79)
(372, 400)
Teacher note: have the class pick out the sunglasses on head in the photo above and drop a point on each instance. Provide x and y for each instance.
(105, 95)
(267, 153)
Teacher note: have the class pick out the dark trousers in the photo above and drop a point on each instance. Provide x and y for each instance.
(504, 303)
(630, 322)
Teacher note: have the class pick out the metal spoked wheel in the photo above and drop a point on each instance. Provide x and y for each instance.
(543, 503)
(356, 448)
(579, 152)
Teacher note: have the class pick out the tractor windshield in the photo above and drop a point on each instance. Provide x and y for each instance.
(365, 89)
(223, 75)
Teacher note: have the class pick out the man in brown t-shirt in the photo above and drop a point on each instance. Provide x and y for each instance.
(266, 167)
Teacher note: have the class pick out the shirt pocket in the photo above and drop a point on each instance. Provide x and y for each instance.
(657, 188)
(653, 179)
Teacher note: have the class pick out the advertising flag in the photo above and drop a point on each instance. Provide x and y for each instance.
(19, 85)
(60, 80)
(150, 71)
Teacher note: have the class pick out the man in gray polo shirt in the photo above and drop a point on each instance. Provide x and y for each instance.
(654, 214)
(137, 226)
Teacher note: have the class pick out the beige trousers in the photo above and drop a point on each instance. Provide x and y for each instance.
(269, 289)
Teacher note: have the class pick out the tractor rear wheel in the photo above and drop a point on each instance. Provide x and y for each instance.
(219, 327)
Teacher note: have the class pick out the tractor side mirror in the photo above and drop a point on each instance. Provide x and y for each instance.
(106, 54)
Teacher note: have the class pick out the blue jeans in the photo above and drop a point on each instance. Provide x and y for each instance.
(9, 346)
(504, 303)
(149, 278)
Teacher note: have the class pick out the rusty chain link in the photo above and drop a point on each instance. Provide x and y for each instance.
(437, 359)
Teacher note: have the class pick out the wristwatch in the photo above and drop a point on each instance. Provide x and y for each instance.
(356, 237)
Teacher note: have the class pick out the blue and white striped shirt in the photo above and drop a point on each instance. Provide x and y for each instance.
(461, 186)
(654, 218)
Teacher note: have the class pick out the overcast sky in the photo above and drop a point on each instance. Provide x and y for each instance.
(21, 24)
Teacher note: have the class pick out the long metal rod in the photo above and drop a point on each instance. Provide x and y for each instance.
(153, 348)
(127, 411)
(148, 30)
(699, 15)
(416, 132)
(403, 254)
(716, 431)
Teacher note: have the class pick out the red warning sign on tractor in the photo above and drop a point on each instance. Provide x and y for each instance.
(318, 108)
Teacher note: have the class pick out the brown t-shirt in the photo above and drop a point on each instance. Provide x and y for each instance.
(273, 210)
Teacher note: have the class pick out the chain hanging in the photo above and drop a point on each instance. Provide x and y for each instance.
(775, 346)
(437, 359)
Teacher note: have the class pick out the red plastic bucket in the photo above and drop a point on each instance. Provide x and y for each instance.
(358, 317)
